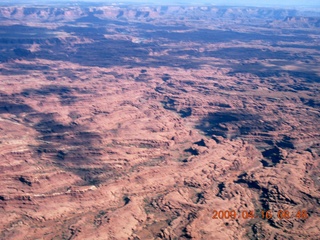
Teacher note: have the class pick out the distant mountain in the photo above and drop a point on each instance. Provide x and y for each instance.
(148, 13)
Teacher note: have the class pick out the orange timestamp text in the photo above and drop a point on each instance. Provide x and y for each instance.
(264, 214)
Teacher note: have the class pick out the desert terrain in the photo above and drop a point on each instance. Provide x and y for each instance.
(139, 122)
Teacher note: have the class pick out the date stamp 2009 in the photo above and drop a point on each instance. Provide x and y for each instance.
(263, 214)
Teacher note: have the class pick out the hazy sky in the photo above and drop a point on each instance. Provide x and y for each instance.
(269, 2)
(229, 2)
(215, 2)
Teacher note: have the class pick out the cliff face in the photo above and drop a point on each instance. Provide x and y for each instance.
(146, 13)
(149, 122)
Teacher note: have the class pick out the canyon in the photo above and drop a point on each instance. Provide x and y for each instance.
(137, 122)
